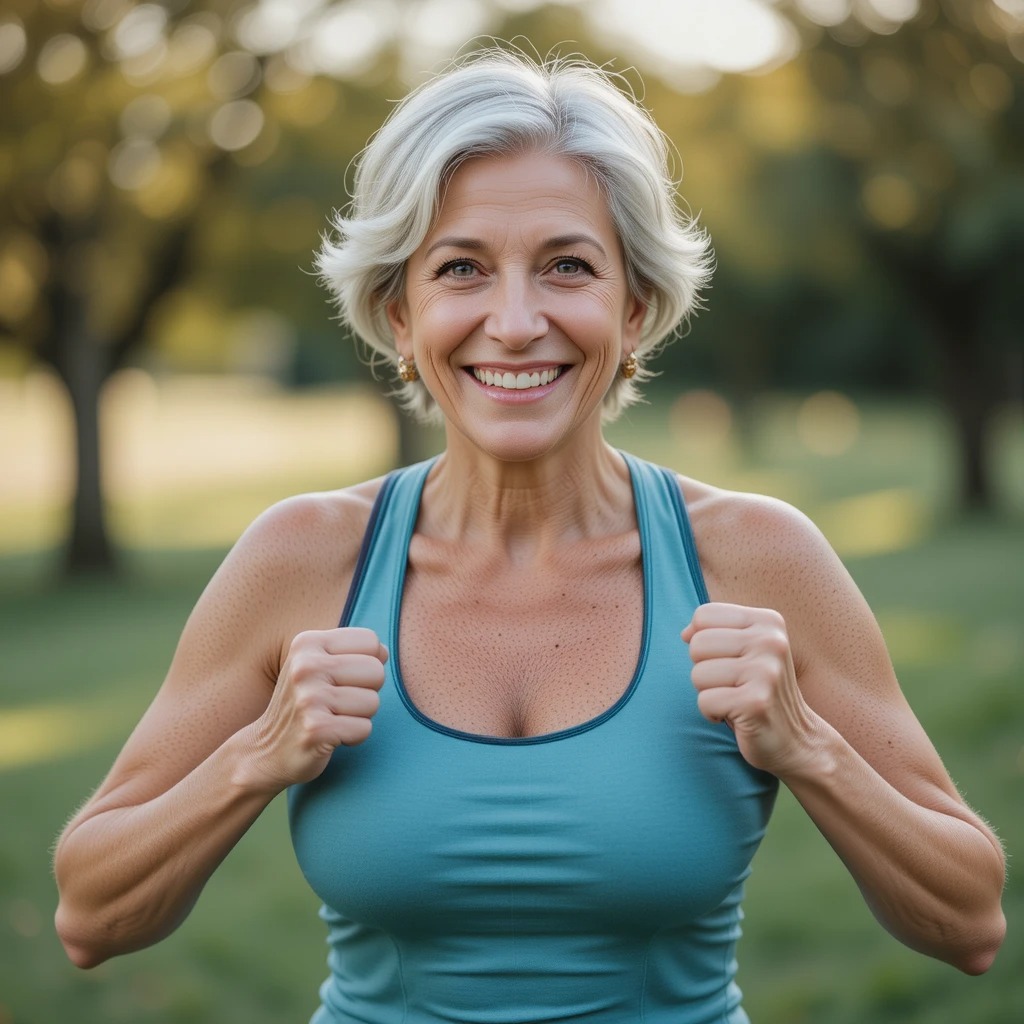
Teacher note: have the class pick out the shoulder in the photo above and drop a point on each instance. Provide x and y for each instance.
(308, 530)
(761, 552)
(753, 547)
(288, 572)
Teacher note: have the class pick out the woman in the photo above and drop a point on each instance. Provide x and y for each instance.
(528, 771)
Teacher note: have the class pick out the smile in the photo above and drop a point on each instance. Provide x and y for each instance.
(516, 381)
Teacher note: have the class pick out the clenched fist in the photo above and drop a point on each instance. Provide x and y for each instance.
(744, 676)
(325, 696)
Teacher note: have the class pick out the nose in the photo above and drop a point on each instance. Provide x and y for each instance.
(515, 318)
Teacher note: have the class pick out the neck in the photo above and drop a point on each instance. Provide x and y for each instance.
(527, 508)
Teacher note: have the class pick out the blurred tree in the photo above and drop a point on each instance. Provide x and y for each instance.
(116, 142)
(866, 198)
(122, 130)
(880, 167)
(923, 105)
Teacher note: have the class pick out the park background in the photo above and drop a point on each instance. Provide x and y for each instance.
(169, 367)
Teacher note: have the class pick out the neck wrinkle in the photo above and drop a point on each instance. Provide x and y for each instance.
(526, 509)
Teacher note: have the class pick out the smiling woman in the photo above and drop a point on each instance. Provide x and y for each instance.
(531, 700)
(517, 303)
(498, 105)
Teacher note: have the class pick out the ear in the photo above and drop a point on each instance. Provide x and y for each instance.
(398, 319)
(636, 314)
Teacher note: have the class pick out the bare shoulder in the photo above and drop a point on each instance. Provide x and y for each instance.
(757, 550)
(289, 572)
(292, 567)
(762, 552)
(765, 553)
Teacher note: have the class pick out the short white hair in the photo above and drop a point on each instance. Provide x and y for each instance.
(500, 102)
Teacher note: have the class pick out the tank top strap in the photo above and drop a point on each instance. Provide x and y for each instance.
(671, 566)
(385, 546)
(671, 560)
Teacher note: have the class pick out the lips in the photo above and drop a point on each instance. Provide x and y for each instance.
(510, 381)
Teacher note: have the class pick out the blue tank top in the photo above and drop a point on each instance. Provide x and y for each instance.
(592, 874)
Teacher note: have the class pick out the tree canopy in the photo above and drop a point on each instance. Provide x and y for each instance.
(167, 169)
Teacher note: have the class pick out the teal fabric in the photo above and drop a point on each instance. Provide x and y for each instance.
(593, 874)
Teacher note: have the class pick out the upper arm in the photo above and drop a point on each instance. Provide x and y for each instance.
(763, 553)
(288, 572)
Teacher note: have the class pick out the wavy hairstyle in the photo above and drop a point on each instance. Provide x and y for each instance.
(496, 102)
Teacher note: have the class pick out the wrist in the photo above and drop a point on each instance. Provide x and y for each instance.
(820, 758)
(247, 769)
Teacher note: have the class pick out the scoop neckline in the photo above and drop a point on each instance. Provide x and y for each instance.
(640, 509)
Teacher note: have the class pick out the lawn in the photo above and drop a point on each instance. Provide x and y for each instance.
(81, 661)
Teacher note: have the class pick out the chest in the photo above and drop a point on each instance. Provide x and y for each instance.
(525, 651)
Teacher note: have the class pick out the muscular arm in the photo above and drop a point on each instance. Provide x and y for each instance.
(810, 691)
(201, 764)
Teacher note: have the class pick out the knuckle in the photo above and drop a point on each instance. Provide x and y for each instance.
(776, 641)
(305, 700)
(759, 701)
(701, 676)
(304, 640)
(703, 616)
(355, 730)
(769, 669)
(303, 664)
(361, 638)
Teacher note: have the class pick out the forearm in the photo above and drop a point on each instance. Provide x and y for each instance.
(129, 875)
(933, 879)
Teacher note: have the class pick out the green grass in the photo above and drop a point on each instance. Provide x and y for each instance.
(80, 661)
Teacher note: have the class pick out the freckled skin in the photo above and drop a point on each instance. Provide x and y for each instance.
(493, 283)
(512, 667)
(522, 609)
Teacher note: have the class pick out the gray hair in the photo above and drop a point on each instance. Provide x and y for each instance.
(496, 102)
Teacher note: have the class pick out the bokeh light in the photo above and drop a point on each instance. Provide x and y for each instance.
(828, 423)
(62, 59)
(13, 43)
(146, 117)
(236, 125)
(133, 163)
(701, 417)
(233, 74)
(138, 32)
(193, 44)
(890, 200)
(827, 13)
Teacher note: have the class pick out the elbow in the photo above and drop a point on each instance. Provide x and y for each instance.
(80, 949)
(982, 954)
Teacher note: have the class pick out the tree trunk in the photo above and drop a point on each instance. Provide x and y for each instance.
(969, 395)
(410, 438)
(89, 548)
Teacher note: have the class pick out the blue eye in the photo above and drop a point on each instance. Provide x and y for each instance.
(566, 265)
(456, 268)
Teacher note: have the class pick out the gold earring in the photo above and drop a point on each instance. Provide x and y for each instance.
(629, 365)
(407, 371)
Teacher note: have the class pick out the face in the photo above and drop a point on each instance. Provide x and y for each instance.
(516, 307)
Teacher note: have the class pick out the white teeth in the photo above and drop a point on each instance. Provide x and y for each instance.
(515, 381)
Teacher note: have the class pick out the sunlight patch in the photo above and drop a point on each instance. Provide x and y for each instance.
(32, 735)
(921, 638)
(876, 523)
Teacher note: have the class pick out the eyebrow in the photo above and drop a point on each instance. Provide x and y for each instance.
(557, 242)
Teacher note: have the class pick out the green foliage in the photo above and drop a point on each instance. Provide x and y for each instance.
(252, 951)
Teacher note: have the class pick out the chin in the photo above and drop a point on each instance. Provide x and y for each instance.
(515, 443)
